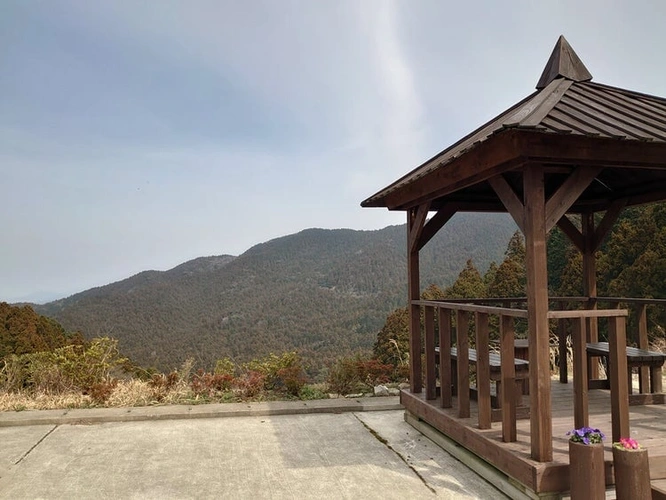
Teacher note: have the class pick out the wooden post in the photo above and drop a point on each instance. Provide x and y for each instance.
(643, 371)
(508, 374)
(541, 419)
(617, 344)
(414, 293)
(445, 357)
(462, 344)
(562, 346)
(430, 380)
(590, 284)
(483, 371)
(581, 409)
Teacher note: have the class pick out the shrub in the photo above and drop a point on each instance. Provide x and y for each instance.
(69, 368)
(309, 392)
(209, 384)
(225, 367)
(343, 376)
(282, 373)
(250, 384)
(358, 374)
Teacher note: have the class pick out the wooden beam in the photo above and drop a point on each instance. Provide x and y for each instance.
(574, 149)
(493, 156)
(541, 418)
(414, 294)
(608, 221)
(431, 227)
(571, 231)
(565, 196)
(509, 199)
(418, 220)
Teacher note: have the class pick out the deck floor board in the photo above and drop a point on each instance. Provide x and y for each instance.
(646, 424)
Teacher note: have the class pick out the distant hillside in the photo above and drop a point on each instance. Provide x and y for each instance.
(323, 292)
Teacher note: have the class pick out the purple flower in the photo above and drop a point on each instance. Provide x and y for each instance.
(586, 435)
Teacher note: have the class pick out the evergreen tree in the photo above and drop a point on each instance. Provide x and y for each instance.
(469, 284)
(510, 278)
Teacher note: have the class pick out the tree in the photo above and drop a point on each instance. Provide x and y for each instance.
(468, 285)
(392, 345)
(510, 278)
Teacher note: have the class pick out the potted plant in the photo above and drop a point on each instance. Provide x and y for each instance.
(631, 469)
(586, 464)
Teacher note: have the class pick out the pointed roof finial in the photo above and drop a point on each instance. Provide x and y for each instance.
(565, 63)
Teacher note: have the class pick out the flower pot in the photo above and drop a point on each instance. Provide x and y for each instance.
(586, 471)
(632, 474)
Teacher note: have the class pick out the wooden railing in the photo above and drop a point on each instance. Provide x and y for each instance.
(442, 336)
(448, 336)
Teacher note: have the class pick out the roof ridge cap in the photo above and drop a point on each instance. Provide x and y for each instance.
(565, 63)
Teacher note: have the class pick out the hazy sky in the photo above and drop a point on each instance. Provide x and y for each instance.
(137, 135)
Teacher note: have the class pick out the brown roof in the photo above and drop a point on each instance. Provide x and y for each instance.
(568, 104)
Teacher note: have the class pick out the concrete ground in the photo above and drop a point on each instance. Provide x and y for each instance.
(266, 450)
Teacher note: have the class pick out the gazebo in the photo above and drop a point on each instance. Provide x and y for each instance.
(575, 147)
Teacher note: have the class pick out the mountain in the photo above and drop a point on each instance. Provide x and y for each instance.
(323, 292)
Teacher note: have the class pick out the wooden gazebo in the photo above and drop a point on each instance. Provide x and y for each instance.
(572, 147)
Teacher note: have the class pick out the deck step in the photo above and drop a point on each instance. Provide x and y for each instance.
(659, 489)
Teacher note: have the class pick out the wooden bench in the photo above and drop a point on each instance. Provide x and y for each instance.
(495, 362)
(635, 358)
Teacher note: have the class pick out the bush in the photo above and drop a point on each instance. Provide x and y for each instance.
(282, 373)
(225, 367)
(210, 384)
(250, 384)
(358, 374)
(69, 368)
(309, 392)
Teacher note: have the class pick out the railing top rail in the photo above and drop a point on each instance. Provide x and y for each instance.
(521, 313)
(469, 307)
(630, 300)
(507, 300)
(588, 313)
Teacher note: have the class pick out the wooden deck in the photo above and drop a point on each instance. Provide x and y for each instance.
(647, 426)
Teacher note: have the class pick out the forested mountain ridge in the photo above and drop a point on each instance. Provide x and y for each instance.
(323, 292)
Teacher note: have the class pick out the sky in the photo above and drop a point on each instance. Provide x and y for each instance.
(138, 135)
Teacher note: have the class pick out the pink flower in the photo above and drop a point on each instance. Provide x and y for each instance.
(627, 444)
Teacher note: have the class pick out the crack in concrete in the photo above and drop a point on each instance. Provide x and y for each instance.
(379, 438)
(35, 445)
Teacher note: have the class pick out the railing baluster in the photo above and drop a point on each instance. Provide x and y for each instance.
(508, 374)
(580, 373)
(617, 343)
(430, 375)
(483, 370)
(462, 341)
(445, 357)
(643, 371)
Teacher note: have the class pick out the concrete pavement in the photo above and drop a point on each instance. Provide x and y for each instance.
(332, 449)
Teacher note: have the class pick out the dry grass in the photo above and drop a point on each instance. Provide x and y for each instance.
(20, 401)
(126, 393)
